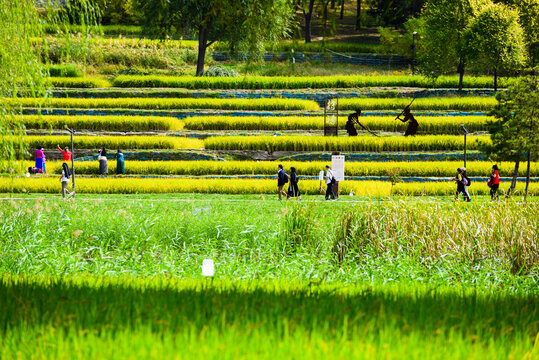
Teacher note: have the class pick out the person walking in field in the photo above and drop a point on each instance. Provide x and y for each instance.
(330, 181)
(462, 184)
(64, 179)
(103, 166)
(281, 180)
(494, 183)
(120, 164)
(67, 156)
(413, 125)
(293, 189)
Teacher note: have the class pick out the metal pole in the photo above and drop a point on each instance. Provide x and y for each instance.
(465, 133)
(71, 132)
(413, 52)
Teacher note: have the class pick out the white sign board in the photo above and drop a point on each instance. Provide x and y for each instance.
(337, 165)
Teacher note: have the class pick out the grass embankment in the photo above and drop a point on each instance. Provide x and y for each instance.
(358, 143)
(171, 104)
(301, 82)
(115, 142)
(110, 185)
(312, 168)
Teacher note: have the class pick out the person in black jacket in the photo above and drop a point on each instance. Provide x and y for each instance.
(281, 180)
(293, 189)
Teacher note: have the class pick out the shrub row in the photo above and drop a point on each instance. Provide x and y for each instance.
(174, 104)
(301, 82)
(79, 83)
(115, 142)
(358, 143)
(103, 123)
(427, 124)
(68, 70)
(229, 186)
(201, 168)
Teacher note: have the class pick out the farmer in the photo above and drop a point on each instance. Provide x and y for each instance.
(412, 125)
(120, 164)
(352, 119)
(67, 154)
(102, 157)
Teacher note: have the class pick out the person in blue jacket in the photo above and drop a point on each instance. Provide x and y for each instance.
(281, 180)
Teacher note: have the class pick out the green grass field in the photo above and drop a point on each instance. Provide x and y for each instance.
(111, 276)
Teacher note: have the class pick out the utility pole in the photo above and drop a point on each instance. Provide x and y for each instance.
(72, 132)
(466, 132)
(413, 52)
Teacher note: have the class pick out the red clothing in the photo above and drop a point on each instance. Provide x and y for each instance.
(67, 155)
(495, 177)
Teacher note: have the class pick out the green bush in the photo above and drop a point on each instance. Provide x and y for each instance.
(66, 71)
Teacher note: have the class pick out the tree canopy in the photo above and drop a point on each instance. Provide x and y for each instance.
(240, 23)
(495, 40)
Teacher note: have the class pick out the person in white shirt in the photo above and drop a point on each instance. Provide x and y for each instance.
(330, 180)
(64, 179)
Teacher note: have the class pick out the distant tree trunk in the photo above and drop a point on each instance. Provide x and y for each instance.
(332, 4)
(308, 17)
(513, 181)
(342, 9)
(358, 15)
(495, 79)
(326, 3)
(202, 46)
(460, 70)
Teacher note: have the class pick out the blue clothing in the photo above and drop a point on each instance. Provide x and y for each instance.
(293, 189)
(280, 178)
(120, 164)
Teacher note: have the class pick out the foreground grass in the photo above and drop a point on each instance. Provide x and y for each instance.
(75, 317)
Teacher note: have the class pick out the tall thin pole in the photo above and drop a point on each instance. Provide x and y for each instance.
(71, 132)
(413, 52)
(465, 133)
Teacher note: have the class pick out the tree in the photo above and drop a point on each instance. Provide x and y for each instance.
(22, 71)
(444, 43)
(529, 20)
(394, 12)
(238, 22)
(307, 7)
(358, 15)
(495, 40)
(514, 132)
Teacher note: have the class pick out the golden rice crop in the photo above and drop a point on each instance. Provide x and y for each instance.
(301, 82)
(171, 103)
(71, 82)
(450, 103)
(115, 142)
(427, 124)
(102, 123)
(229, 186)
(358, 143)
(230, 168)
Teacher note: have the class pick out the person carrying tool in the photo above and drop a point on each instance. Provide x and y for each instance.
(412, 122)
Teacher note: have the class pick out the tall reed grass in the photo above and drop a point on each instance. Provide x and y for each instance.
(102, 123)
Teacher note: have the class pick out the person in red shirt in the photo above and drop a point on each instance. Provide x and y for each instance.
(494, 182)
(67, 154)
